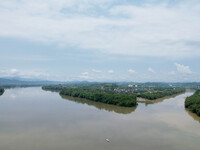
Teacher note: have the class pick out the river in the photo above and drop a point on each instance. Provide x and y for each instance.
(34, 119)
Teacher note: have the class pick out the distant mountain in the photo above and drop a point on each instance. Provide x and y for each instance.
(28, 81)
(24, 81)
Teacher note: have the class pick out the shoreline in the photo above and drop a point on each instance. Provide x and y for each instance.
(144, 100)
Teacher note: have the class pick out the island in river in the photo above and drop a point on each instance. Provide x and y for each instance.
(114, 94)
(125, 100)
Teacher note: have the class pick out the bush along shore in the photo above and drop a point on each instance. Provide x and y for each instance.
(53, 88)
(1, 91)
(193, 103)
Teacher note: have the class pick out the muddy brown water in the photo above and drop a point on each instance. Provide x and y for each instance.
(33, 119)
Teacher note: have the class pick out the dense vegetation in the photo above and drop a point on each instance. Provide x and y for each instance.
(152, 95)
(112, 93)
(1, 91)
(126, 100)
(193, 102)
(56, 88)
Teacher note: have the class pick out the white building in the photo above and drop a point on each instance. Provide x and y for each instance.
(130, 85)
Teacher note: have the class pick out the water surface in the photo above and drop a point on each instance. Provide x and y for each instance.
(33, 119)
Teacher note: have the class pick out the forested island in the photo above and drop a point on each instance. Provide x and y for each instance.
(56, 88)
(193, 103)
(115, 94)
(1, 91)
(126, 100)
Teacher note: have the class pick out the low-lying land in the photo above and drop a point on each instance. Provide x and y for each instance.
(116, 94)
(193, 103)
(156, 94)
(55, 88)
(1, 91)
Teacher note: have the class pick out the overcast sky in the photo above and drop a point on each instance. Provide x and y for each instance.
(100, 40)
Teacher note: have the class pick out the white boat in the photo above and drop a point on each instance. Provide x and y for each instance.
(107, 140)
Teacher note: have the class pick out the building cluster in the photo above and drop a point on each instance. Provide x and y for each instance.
(131, 85)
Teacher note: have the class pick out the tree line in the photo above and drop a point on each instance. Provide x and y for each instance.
(55, 88)
(152, 95)
(193, 103)
(1, 91)
(126, 100)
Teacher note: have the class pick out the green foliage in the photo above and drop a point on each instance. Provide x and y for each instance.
(152, 95)
(1, 91)
(126, 100)
(111, 93)
(193, 103)
(56, 88)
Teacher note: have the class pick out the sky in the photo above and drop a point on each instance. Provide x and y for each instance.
(101, 40)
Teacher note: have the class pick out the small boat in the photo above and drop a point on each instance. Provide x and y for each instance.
(107, 140)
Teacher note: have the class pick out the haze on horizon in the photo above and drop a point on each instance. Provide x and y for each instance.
(107, 40)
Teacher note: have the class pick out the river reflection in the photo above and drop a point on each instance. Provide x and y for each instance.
(193, 115)
(101, 106)
(159, 100)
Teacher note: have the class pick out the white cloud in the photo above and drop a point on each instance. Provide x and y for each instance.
(85, 73)
(84, 77)
(172, 73)
(151, 70)
(13, 71)
(131, 71)
(38, 74)
(9, 72)
(96, 71)
(111, 71)
(183, 69)
(147, 30)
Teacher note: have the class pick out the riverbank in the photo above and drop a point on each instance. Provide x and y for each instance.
(1, 91)
(124, 100)
(193, 103)
(160, 93)
(143, 100)
(101, 106)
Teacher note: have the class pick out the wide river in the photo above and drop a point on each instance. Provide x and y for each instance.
(33, 119)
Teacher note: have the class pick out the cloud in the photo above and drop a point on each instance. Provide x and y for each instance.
(145, 30)
(172, 73)
(84, 77)
(183, 69)
(13, 71)
(85, 73)
(111, 71)
(151, 70)
(9, 72)
(96, 71)
(131, 71)
(24, 74)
